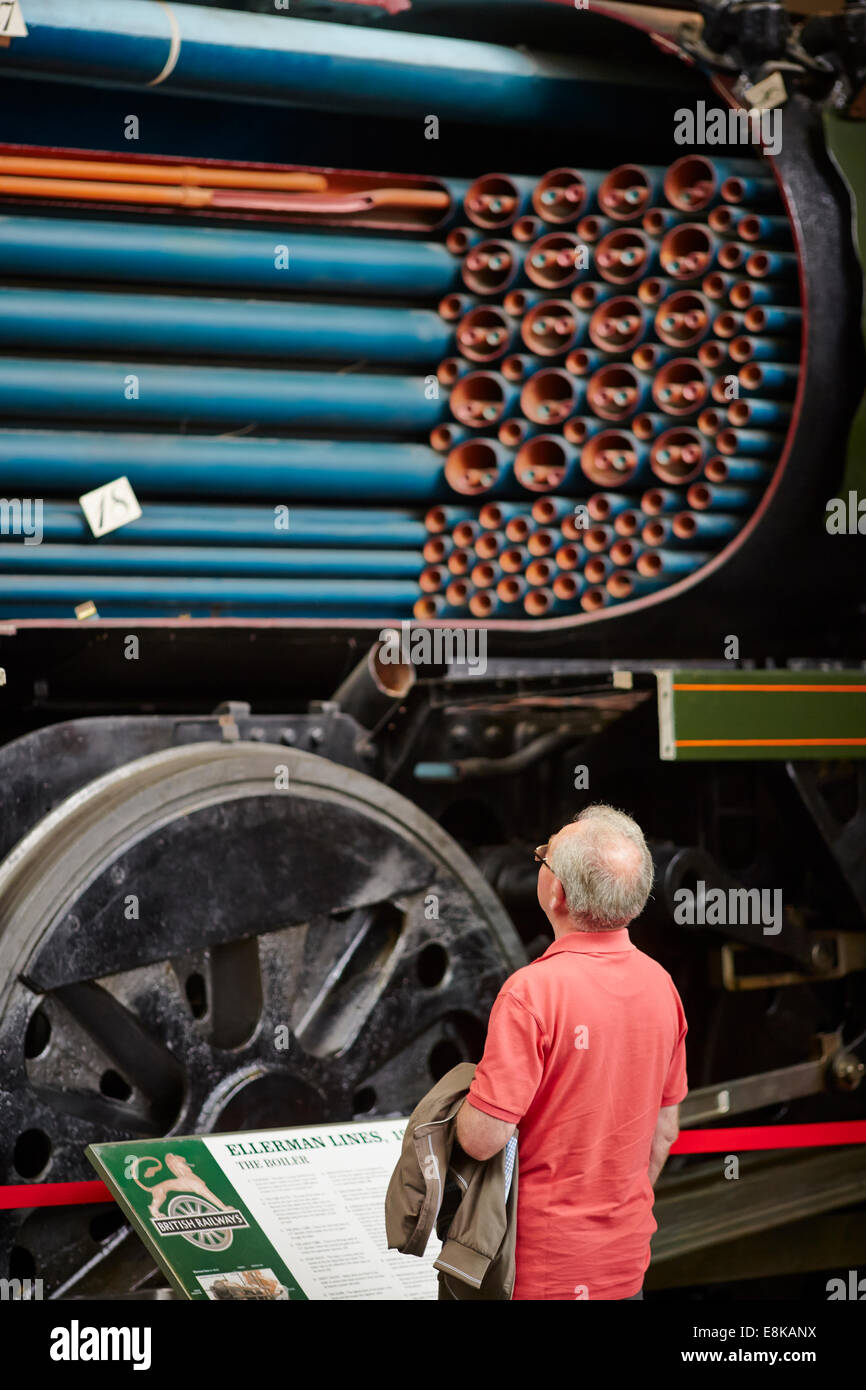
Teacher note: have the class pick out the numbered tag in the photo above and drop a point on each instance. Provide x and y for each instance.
(12, 24)
(110, 506)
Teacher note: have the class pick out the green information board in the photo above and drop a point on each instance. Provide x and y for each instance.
(275, 1214)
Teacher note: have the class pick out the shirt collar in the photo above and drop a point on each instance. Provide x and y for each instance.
(594, 942)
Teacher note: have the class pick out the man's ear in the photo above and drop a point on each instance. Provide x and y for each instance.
(557, 896)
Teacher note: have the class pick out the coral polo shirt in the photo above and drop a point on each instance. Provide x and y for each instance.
(583, 1048)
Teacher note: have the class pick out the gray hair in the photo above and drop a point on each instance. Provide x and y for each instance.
(604, 887)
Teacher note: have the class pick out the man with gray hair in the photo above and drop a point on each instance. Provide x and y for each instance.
(585, 1052)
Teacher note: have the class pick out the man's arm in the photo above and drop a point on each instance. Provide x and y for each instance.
(480, 1135)
(666, 1131)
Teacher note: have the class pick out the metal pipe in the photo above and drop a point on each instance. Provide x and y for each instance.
(677, 455)
(527, 228)
(592, 229)
(756, 414)
(626, 255)
(451, 369)
(703, 496)
(773, 230)
(680, 387)
(629, 189)
(688, 251)
(444, 438)
(656, 221)
(563, 195)
(494, 201)
(618, 324)
(553, 327)
(542, 542)
(193, 525)
(688, 526)
(762, 264)
(547, 511)
(46, 248)
(593, 599)
(589, 293)
(518, 527)
(658, 501)
(202, 466)
(654, 289)
(628, 523)
(551, 396)
(82, 321)
(647, 424)
(584, 361)
(568, 556)
(374, 686)
(41, 387)
(579, 428)
(303, 597)
(712, 354)
(683, 319)
(626, 584)
(521, 365)
(539, 573)
(694, 182)
(483, 398)
(481, 466)
(283, 61)
(606, 506)
(649, 357)
(438, 519)
(493, 267)
(466, 532)
(453, 306)
(617, 391)
(494, 515)
(671, 564)
(485, 333)
(597, 568)
(568, 587)
(546, 463)
(489, 543)
(554, 261)
(745, 442)
(485, 574)
(775, 378)
(625, 551)
(737, 470)
(515, 559)
(614, 458)
(746, 349)
(762, 318)
(745, 293)
(754, 190)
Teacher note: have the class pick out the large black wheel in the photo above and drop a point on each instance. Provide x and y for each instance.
(217, 937)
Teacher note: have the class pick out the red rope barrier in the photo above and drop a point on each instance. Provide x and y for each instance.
(709, 1141)
(695, 1141)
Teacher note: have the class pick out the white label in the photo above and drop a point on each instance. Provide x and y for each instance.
(767, 94)
(12, 24)
(110, 506)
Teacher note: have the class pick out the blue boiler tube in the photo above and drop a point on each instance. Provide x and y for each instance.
(38, 462)
(82, 321)
(42, 387)
(291, 263)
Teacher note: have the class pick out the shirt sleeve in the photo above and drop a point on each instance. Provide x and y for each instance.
(508, 1075)
(676, 1086)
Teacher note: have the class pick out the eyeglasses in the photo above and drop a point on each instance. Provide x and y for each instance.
(539, 854)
